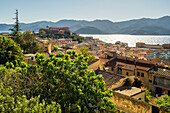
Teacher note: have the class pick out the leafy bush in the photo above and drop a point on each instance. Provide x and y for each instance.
(164, 103)
(127, 82)
(60, 79)
(9, 51)
(137, 82)
(9, 104)
(148, 96)
(70, 83)
(85, 51)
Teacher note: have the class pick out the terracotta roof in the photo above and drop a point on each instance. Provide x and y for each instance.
(109, 78)
(142, 68)
(95, 60)
(129, 67)
(29, 54)
(131, 61)
(152, 51)
(129, 91)
(161, 71)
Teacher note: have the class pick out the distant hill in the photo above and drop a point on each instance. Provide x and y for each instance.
(89, 30)
(143, 26)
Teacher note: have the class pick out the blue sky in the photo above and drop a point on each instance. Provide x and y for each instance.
(54, 10)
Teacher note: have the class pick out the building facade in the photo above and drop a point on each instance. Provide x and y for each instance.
(159, 81)
(159, 54)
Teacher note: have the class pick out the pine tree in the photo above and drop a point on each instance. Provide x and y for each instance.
(16, 26)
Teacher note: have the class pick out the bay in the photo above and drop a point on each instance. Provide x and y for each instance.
(132, 39)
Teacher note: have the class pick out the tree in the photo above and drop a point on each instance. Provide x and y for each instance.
(127, 82)
(10, 104)
(85, 51)
(29, 45)
(148, 96)
(61, 79)
(42, 34)
(164, 103)
(9, 51)
(70, 83)
(16, 27)
(137, 82)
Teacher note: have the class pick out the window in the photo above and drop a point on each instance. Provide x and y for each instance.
(138, 98)
(142, 74)
(119, 69)
(150, 81)
(112, 68)
(138, 73)
(32, 58)
(127, 73)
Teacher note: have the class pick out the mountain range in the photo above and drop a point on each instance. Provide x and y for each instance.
(143, 26)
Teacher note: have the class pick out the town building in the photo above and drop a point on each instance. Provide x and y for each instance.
(133, 92)
(159, 80)
(149, 46)
(94, 64)
(56, 31)
(158, 54)
(29, 58)
(109, 78)
(166, 46)
(5, 34)
(131, 67)
(47, 44)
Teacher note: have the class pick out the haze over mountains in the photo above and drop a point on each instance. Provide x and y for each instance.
(143, 26)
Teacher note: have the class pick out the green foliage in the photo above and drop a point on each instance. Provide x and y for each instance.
(137, 82)
(42, 34)
(55, 48)
(9, 104)
(28, 43)
(57, 78)
(80, 39)
(71, 84)
(148, 96)
(103, 66)
(16, 27)
(85, 51)
(9, 51)
(164, 103)
(127, 82)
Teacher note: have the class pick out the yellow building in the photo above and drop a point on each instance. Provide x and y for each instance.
(131, 67)
(128, 53)
(159, 80)
(133, 92)
(94, 64)
(29, 58)
(48, 44)
(141, 72)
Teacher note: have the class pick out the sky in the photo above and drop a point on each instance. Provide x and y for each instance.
(55, 10)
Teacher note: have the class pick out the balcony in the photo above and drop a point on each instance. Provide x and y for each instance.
(161, 82)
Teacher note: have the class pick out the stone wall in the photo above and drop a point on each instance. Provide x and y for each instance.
(130, 105)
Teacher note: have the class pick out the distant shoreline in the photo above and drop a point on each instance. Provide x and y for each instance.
(111, 34)
(131, 34)
(131, 39)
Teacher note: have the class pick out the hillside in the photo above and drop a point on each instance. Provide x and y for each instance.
(89, 30)
(143, 26)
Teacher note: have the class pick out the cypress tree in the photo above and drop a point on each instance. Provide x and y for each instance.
(16, 26)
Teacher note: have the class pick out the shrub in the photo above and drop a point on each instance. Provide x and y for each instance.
(9, 104)
(164, 103)
(148, 96)
(137, 82)
(9, 51)
(127, 82)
